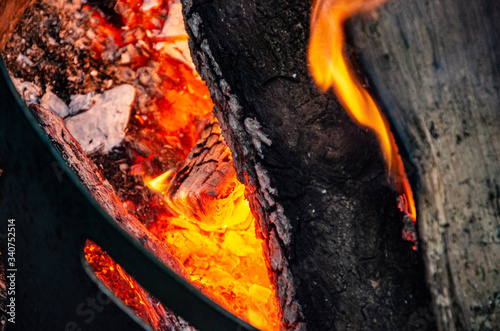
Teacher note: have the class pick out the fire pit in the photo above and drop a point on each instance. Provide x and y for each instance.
(149, 309)
(293, 206)
(59, 290)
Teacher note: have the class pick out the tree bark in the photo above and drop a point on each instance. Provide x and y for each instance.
(315, 180)
(436, 64)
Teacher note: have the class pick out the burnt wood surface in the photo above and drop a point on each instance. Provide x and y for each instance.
(315, 180)
(199, 177)
(436, 66)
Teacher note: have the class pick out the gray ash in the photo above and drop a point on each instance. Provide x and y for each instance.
(51, 47)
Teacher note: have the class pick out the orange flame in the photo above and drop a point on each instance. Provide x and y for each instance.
(214, 238)
(217, 243)
(329, 68)
(136, 297)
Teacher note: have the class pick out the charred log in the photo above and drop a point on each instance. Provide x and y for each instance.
(435, 65)
(200, 176)
(315, 180)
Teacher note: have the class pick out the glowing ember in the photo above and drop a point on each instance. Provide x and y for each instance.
(329, 69)
(116, 280)
(219, 249)
(102, 30)
(217, 242)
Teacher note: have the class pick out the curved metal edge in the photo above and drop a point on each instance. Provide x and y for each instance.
(110, 294)
(172, 290)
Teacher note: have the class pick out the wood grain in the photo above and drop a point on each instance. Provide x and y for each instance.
(436, 65)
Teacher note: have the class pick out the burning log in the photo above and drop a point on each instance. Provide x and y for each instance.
(315, 180)
(435, 68)
(427, 63)
(199, 178)
(213, 232)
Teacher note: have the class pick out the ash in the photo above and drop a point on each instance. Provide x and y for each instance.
(52, 60)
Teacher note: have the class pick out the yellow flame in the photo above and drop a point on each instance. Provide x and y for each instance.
(329, 69)
(211, 232)
(214, 238)
(161, 182)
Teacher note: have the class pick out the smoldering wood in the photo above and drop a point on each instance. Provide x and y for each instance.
(10, 13)
(315, 180)
(436, 67)
(198, 177)
(105, 195)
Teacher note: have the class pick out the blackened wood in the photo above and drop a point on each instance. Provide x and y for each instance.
(200, 176)
(436, 65)
(315, 180)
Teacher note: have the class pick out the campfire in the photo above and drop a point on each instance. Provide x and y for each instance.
(253, 151)
(160, 111)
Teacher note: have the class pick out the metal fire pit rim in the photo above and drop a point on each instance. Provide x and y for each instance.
(88, 270)
(197, 309)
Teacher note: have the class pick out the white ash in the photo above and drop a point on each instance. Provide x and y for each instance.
(127, 53)
(29, 92)
(276, 258)
(194, 23)
(174, 26)
(277, 217)
(103, 126)
(80, 102)
(54, 104)
(283, 226)
(110, 49)
(265, 184)
(253, 127)
(149, 4)
(24, 60)
(204, 46)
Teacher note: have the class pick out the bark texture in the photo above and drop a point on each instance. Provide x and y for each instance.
(199, 177)
(315, 180)
(436, 66)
